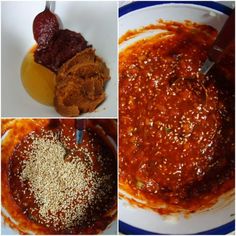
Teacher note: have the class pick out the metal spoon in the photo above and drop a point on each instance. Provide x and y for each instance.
(215, 54)
(223, 39)
(45, 25)
(80, 126)
(50, 5)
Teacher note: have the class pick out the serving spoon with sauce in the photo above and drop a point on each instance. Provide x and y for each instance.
(224, 38)
(39, 81)
(79, 126)
(198, 83)
(45, 25)
(215, 54)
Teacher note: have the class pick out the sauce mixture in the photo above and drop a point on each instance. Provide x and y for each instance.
(176, 126)
(58, 186)
(63, 69)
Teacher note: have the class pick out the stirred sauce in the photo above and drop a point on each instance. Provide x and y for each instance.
(176, 126)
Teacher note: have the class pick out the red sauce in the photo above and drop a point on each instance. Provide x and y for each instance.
(17, 198)
(55, 46)
(176, 126)
(45, 25)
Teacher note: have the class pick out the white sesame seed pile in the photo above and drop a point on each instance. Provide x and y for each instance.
(63, 189)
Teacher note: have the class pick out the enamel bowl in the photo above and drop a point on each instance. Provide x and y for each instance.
(96, 21)
(219, 219)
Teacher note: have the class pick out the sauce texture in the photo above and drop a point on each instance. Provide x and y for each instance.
(176, 126)
(45, 25)
(51, 185)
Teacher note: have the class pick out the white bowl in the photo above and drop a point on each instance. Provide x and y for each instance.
(133, 220)
(111, 229)
(97, 21)
(6, 230)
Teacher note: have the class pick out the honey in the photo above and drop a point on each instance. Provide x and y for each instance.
(38, 81)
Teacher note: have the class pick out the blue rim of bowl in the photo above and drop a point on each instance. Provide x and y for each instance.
(221, 230)
(143, 4)
(124, 227)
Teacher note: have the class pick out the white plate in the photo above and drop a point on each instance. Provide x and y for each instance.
(133, 220)
(97, 21)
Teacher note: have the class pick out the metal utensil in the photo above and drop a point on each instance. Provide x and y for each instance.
(80, 126)
(225, 36)
(45, 25)
(223, 39)
(50, 5)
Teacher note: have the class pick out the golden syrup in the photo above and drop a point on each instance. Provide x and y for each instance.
(38, 81)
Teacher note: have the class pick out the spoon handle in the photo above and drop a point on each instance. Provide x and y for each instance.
(223, 39)
(50, 5)
(80, 125)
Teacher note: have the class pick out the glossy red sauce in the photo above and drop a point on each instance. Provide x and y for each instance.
(176, 126)
(16, 196)
(45, 25)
